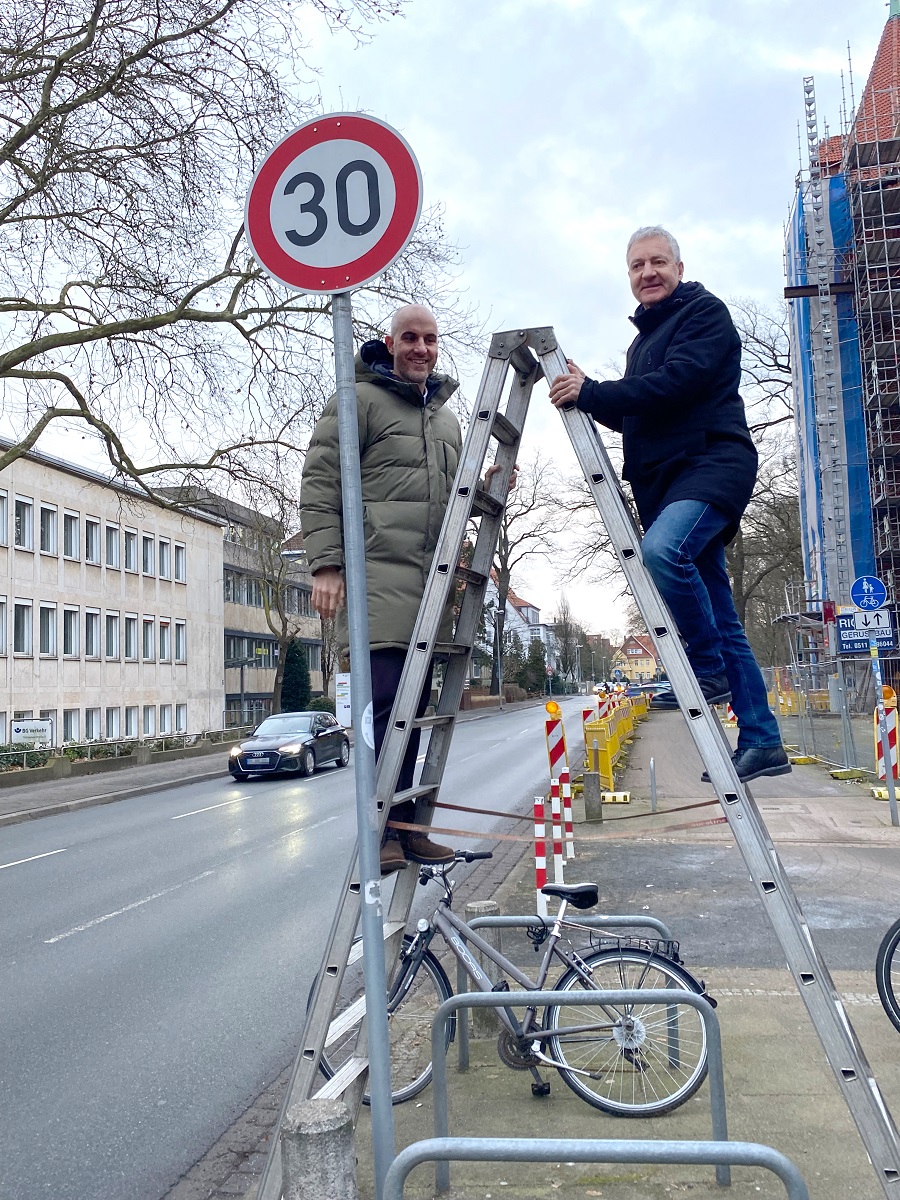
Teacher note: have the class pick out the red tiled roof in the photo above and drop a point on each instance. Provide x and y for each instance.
(878, 112)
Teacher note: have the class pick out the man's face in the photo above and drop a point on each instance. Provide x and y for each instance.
(414, 347)
(652, 270)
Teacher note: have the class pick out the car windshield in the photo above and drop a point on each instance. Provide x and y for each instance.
(286, 726)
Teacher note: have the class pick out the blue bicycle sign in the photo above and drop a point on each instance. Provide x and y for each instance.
(868, 593)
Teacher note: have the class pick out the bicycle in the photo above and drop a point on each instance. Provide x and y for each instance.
(629, 1060)
(887, 973)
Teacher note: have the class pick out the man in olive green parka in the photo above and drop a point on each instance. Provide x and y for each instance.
(409, 446)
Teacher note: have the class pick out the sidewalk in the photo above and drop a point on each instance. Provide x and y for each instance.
(779, 1087)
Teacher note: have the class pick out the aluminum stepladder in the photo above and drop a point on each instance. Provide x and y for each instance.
(852, 1072)
(467, 499)
(842, 1049)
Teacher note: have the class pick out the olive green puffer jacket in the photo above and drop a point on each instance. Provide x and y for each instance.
(408, 456)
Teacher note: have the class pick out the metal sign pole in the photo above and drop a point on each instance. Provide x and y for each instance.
(883, 729)
(364, 744)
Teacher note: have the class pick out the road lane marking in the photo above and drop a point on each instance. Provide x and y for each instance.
(33, 858)
(209, 808)
(175, 887)
(128, 908)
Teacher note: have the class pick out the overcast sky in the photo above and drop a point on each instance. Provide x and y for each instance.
(550, 129)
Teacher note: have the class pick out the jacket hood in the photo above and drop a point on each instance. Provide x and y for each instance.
(374, 364)
(648, 318)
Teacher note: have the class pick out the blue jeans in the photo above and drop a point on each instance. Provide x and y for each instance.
(685, 554)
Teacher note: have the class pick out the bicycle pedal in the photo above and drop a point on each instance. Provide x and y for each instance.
(540, 1089)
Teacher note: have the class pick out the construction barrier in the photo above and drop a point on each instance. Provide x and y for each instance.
(557, 832)
(610, 734)
(565, 784)
(730, 720)
(890, 712)
(556, 741)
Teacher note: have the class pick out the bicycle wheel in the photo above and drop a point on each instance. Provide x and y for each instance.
(413, 999)
(652, 1058)
(887, 973)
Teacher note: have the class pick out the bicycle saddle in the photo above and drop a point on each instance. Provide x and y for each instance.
(581, 895)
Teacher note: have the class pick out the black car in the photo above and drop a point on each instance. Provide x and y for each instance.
(295, 742)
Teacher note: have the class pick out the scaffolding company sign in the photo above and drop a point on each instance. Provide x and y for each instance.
(854, 629)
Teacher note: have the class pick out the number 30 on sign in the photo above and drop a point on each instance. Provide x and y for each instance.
(334, 203)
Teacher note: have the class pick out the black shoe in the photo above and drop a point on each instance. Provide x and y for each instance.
(715, 690)
(756, 761)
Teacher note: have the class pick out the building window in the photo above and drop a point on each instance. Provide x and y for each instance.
(148, 565)
(24, 523)
(131, 637)
(70, 535)
(165, 559)
(165, 718)
(92, 541)
(131, 720)
(48, 530)
(4, 528)
(112, 723)
(47, 629)
(165, 639)
(22, 627)
(91, 724)
(180, 563)
(229, 581)
(2, 625)
(112, 546)
(181, 718)
(149, 720)
(131, 550)
(314, 657)
(91, 633)
(148, 649)
(181, 641)
(49, 714)
(112, 635)
(70, 724)
(70, 632)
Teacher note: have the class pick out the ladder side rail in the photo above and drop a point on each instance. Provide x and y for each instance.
(842, 1048)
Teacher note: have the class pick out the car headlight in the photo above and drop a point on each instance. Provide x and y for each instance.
(291, 749)
(234, 751)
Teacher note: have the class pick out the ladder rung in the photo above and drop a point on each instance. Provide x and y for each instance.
(469, 576)
(451, 648)
(430, 722)
(504, 430)
(348, 1019)
(356, 950)
(413, 793)
(341, 1080)
(485, 505)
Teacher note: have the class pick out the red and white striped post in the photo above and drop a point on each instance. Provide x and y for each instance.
(557, 832)
(556, 744)
(565, 786)
(540, 854)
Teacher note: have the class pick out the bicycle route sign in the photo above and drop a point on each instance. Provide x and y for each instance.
(334, 203)
(855, 629)
(868, 593)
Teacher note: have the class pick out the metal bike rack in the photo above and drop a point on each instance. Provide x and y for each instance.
(590, 1150)
(596, 921)
(541, 999)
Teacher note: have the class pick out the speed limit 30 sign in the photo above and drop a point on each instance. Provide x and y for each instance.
(334, 203)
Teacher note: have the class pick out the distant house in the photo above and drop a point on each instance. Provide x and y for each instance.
(637, 659)
(522, 619)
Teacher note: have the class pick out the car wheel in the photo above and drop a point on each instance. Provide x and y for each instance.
(307, 762)
(344, 757)
(240, 776)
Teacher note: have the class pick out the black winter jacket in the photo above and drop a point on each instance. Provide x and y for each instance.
(678, 408)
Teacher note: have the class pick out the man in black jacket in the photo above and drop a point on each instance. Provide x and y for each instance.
(691, 464)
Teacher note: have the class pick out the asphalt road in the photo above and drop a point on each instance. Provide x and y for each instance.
(158, 953)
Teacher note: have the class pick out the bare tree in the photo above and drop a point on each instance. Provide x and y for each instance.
(129, 131)
(570, 638)
(531, 520)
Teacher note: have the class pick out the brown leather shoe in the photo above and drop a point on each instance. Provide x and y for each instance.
(420, 848)
(392, 857)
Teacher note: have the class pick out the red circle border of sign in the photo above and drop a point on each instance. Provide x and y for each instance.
(407, 183)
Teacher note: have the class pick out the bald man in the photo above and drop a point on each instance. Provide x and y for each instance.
(409, 445)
